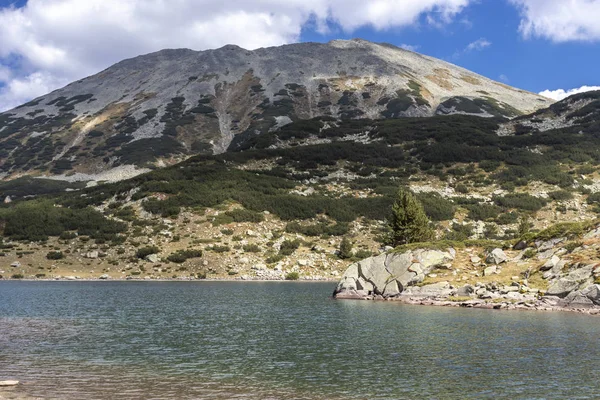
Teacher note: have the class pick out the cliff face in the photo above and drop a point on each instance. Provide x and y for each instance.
(164, 106)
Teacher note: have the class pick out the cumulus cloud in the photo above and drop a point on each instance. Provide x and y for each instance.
(477, 45)
(560, 94)
(57, 41)
(560, 20)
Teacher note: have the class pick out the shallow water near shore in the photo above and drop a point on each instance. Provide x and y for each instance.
(280, 340)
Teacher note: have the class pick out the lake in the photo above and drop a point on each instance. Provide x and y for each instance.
(280, 340)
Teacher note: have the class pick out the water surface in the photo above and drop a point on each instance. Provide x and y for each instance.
(281, 340)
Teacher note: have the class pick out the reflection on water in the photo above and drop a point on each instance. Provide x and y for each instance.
(223, 340)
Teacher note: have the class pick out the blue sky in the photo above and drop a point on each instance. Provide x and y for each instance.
(536, 45)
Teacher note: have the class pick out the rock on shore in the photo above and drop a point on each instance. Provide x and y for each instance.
(387, 275)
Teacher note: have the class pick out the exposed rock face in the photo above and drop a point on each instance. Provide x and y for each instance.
(387, 275)
(163, 105)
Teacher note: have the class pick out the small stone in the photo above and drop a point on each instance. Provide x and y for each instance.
(104, 276)
(153, 258)
(9, 383)
(490, 270)
(15, 264)
(92, 254)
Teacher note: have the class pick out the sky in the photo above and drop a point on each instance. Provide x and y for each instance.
(550, 47)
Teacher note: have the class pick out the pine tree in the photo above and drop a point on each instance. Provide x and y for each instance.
(345, 248)
(408, 223)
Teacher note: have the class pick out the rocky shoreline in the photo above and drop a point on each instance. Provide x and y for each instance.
(546, 303)
(400, 277)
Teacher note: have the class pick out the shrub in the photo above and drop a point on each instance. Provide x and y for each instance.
(462, 188)
(482, 212)
(522, 201)
(17, 276)
(243, 215)
(55, 255)
(251, 248)
(288, 247)
(146, 251)
(362, 254)
(220, 249)
(459, 232)
(181, 256)
(560, 195)
(292, 276)
(436, 207)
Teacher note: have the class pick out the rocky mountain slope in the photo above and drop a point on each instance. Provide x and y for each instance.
(162, 107)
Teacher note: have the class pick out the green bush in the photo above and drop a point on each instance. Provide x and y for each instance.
(560, 195)
(17, 276)
(288, 247)
(181, 256)
(146, 251)
(242, 215)
(220, 249)
(251, 248)
(292, 276)
(482, 211)
(521, 201)
(55, 255)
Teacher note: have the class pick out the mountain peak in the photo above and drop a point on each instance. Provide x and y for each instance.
(162, 107)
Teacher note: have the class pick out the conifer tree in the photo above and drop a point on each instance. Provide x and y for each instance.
(345, 248)
(408, 223)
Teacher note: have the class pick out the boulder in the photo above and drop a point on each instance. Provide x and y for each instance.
(521, 245)
(8, 383)
(496, 256)
(466, 290)
(551, 263)
(387, 275)
(562, 287)
(592, 292)
(92, 254)
(490, 270)
(104, 277)
(15, 264)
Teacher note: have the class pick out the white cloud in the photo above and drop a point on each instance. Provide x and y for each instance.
(57, 41)
(560, 20)
(503, 78)
(560, 94)
(21, 90)
(479, 44)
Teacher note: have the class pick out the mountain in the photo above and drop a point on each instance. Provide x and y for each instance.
(282, 206)
(162, 107)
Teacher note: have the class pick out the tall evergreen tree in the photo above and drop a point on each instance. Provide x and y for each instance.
(408, 223)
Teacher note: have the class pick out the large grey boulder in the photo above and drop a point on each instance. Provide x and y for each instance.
(389, 274)
(562, 287)
(588, 297)
(496, 256)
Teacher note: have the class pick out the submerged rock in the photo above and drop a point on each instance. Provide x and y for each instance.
(388, 274)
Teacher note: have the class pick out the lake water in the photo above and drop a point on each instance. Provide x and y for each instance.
(280, 340)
